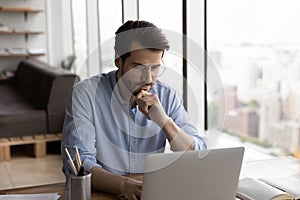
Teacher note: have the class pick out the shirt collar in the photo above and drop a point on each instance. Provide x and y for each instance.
(115, 89)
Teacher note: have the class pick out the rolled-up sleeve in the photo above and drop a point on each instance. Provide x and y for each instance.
(199, 143)
(78, 130)
(175, 110)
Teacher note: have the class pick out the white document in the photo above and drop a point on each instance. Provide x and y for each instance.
(46, 196)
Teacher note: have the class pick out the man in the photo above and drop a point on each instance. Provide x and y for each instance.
(116, 119)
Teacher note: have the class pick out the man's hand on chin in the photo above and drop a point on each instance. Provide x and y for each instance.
(149, 104)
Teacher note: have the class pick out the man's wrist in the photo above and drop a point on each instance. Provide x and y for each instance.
(170, 125)
(121, 186)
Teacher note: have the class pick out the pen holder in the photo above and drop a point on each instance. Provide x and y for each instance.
(79, 187)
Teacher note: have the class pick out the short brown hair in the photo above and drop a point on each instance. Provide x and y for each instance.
(143, 32)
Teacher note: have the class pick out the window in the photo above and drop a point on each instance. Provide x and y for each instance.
(255, 46)
(170, 21)
(79, 27)
(110, 13)
(97, 26)
(93, 34)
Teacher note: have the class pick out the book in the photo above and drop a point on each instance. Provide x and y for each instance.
(36, 51)
(3, 52)
(4, 28)
(46, 196)
(288, 184)
(280, 188)
(17, 51)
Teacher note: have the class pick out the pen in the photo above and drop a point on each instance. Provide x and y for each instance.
(81, 170)
(122, 197)
(77, 157)
(71, 162)
(72, 169)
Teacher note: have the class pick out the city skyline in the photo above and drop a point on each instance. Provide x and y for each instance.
(262, 94)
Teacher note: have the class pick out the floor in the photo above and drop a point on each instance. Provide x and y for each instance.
(25, 170)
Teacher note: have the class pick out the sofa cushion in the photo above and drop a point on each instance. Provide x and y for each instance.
(59, 95)
(47, 88)
(34, 101)
(18, 117)
(34, 83)
(34, 80)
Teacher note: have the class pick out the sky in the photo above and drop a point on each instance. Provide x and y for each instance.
(259, 21)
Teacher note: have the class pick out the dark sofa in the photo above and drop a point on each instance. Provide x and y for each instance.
(33, 101)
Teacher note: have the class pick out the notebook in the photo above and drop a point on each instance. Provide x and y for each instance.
(193, 175)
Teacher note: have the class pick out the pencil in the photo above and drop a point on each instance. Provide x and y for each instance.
(72, 169)
(71, 161)
(81, 169)
(77, 157)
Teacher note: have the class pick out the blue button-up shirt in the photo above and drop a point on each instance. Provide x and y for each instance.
(109, 134)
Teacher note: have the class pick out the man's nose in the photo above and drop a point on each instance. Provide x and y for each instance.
(147, 75)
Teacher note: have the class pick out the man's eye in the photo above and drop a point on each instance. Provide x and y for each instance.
(141, 67)
(156, 68)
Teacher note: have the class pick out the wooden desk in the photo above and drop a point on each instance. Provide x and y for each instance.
(278, 167)
(60, 188)
(56, 188)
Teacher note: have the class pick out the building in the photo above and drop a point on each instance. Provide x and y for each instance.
(243, 121)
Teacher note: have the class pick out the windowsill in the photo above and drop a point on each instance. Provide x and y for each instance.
(252, 151)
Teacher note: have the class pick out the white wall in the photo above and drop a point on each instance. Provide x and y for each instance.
(29, 22)
(59, 30)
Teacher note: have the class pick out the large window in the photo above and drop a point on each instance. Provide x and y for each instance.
(94, 24)
(104, 19)
(110, 13)
(170, 20)
(255, 46)
(79, 27)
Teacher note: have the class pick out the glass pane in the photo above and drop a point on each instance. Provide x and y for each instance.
(170, 20)
(255, 45)
(110, 13)
(80, 34)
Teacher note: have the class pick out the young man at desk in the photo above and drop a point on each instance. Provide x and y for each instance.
(116, 119)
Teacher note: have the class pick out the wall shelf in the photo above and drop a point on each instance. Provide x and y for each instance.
(27, 10)
(21, 32)
(21, 55)
(25, 20)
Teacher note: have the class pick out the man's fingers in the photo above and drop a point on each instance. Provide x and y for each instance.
(141, 94)
(143, 107)
(145, 104)
(146, 101)
(139, 193)
(128, 198)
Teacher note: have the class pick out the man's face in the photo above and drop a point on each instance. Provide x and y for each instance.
(140, 70)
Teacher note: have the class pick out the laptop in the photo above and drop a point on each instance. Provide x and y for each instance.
(193, 175)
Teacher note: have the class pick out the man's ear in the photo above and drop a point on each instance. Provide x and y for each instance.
(118, 62)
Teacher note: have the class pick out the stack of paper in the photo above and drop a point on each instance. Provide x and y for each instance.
(3, 52)
(17, 51)
(46, 196)
(35, 51)
(4, 28)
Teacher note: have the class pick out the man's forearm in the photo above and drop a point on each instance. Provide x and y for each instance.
(178, 139)
(104, 181)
